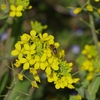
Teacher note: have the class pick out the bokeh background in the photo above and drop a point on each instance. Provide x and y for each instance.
(68, 30)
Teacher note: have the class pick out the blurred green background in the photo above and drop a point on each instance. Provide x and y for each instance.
(68, 30)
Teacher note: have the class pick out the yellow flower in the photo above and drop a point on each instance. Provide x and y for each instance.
(18, 50)
(30, 7)
(77, 10)
(36, 78)
(16, 11)
(20, 76)
(3, 7)
(79, 97)
(27, 62)
(29, 49)
(98, 10)
(33, 71)
(17, 63)
(24, 38)
(89, 8)
(52, 77)
(61, 83)
(34, 84)
(90, 76)
(33, 34)
(87, 66)
(96, 0)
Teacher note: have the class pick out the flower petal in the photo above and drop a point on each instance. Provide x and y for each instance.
(19, 8)
(26, 66)
(14, 53)
(12, 14)
(18, 14)
(12, 7)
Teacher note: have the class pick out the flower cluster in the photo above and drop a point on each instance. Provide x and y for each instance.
(39, 52)
(16, 10)
(90, 62)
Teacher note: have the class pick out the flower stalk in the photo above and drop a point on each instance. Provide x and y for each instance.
(94, 34)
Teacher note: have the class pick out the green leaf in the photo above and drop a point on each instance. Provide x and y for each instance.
(3, 81)
(81, 91)
(93, 88)
(20, 90)
(3, 16)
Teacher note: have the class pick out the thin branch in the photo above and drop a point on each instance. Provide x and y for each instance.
(94, 34)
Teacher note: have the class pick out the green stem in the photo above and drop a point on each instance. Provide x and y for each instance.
(92, 27)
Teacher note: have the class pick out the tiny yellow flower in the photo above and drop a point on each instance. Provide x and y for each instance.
(70, 64)
(3, 7)
(17, 63)
(34, 84)
(16, 11)
(89, 8)
(33, 71)
(77, 10)
(52, 77)
(25, 38)
(90, 76)
(18, 50)
(37, 78)
(79, 97)
(20, 76)
(30, 7)
(96, 0)
(98, 10)
(56, 44)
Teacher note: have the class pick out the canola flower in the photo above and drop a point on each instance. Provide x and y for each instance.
(98, 10)
(34, 53)
(3, 6)
(90, 62)
(96, 0)
(89, 8)
(77, 10)
(16, 11)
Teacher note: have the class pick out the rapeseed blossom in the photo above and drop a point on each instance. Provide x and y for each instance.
(90, 62)
(96, 0)
(35, 53)
(16, 11)
(89, 8)
(77, 10)
(3, 6)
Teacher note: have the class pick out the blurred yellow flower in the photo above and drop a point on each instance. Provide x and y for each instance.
(96, 0)
(77, 10)
(34, 84)
(3, 7)
(98, 10)
(79, 97)
(89, 8)
(20, 76)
